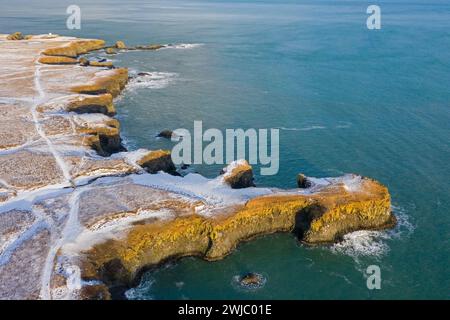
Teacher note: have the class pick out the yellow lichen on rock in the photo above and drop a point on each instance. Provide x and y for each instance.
(120, 45)
(157, 160)
(107, 64)
(238, 174)
(75, 48)
(15, 36)
(262, 215)
(102, 103)
(104, 137)
(57, 60)
(145, 245)
(349, 211)
(108, 81)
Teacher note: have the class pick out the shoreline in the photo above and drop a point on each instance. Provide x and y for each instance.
(111, 229)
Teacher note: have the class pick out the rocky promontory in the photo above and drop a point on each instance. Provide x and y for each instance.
(80, 215)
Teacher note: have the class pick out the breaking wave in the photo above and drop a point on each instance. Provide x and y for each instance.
(183, 46)
(309, 128)
(142, 291)
(151, 80)
(367, 243)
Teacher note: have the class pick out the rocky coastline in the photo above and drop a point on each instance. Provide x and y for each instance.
(81, 216)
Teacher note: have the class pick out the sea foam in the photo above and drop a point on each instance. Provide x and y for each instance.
(183, 46)
(374, 244)
(151, 80)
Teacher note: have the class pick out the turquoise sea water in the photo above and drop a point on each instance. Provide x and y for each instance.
(347, 99)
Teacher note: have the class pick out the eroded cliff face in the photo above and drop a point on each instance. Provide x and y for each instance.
(79, 214)
(319, 217)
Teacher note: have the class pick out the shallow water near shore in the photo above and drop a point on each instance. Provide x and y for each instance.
(346, 99)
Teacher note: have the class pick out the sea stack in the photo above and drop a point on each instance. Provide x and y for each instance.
(238, 174)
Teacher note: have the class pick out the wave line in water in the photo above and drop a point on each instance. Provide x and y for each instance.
(309, 128)
(151, 80)
(183, 46)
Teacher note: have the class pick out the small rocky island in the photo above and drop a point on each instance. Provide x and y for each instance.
(80, 215)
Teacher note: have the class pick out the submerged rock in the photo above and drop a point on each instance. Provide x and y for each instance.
(150, 47)
(303, 182)
(184, 166)
(165, 134)
(159, 160)
(252, 280)
(238, 174)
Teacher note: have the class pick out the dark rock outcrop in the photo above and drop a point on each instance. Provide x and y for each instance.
(165, 134)
(120, 45)
(15, 36)
(159, 160)
(251, 280)
(238, 174)
(303, 182)
(83, 62)
(150, 47)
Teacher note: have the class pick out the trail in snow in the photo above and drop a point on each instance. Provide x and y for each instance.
(37, 101)
(70, 231)
(72, 221)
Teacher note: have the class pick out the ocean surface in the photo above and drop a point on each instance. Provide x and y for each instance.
(345, 98)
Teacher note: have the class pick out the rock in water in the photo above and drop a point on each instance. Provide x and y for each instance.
(252, 280)
(120, 45)
(159, 160)
(150, 47)
(184, 166)
(106, 64)
(15, 36)
(110, 51)
(303, 182)
(238, 174)
(165, 134)
(74, 48)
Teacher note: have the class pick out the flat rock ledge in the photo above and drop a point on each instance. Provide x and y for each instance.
(80, 216)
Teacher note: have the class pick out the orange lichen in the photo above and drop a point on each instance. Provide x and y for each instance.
(75, 48)
(102, 103)
(111, 81)
(321, 217)
(57, 60)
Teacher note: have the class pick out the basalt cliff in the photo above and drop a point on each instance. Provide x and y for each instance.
(80, 215)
